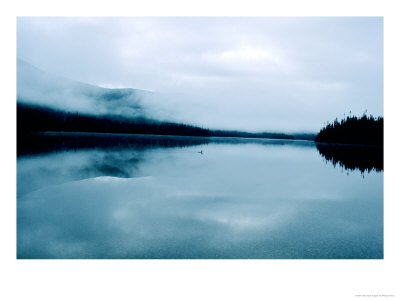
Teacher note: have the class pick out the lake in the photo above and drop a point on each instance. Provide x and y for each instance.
(101, 196)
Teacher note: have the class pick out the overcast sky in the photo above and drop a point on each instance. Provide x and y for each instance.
(255, 74)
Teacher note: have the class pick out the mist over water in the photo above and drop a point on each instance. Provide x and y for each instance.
(183, 198)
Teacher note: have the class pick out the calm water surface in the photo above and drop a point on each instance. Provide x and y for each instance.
(240, 198)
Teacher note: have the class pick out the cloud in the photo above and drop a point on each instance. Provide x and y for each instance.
(318, 85)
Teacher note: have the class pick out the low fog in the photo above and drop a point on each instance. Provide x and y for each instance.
(35, 86)
(253, 74)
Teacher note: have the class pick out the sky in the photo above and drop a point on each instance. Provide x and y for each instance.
(288, 74)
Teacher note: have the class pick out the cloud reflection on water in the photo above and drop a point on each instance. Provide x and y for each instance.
(234, 201)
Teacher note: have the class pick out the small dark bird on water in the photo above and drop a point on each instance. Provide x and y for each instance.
(201, 152)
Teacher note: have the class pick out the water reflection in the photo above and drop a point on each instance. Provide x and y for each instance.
(39, 143)
(242, 198)
(353, 157)
(86, 155)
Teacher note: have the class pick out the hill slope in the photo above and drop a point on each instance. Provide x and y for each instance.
(35, 86)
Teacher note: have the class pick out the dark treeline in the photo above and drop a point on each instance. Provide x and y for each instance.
(265, 135)
(41, 119)
(31, 118)
(353, 130)
(229, 133)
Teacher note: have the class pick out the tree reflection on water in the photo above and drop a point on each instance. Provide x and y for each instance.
(353, 157)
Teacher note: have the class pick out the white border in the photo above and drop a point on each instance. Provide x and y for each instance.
(198, 279)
